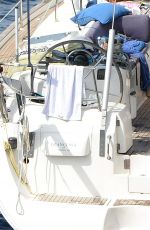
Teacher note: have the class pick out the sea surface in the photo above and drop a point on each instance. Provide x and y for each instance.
(5, 7)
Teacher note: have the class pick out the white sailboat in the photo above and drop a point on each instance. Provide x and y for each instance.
(74, 137)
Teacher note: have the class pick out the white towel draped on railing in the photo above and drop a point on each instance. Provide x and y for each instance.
(64, 92)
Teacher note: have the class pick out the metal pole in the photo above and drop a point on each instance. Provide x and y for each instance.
(81, 4)
(21, 10)
(16, 34)
(56, 6)
(106, 92)
(108, 69)
(9, 12)
(28, 28)
(29, 49)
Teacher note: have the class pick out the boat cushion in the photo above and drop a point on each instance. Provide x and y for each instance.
(133, 26)
(102, 12)
(137, 27)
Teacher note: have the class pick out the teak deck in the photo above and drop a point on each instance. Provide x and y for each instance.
(141, 133)
(70, 199)
(88, 200)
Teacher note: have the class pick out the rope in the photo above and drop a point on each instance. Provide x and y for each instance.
(19, 206)
(10, 154)
(25, 142)
(19, 171)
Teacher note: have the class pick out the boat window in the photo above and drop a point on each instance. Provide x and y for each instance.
(101, 74)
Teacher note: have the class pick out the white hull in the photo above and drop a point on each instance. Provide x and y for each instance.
(76, 177)
(55, 215)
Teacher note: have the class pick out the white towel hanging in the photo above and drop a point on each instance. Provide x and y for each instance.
(64, 92)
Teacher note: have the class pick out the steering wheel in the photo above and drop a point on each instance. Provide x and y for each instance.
(80, 57)
(79, 52)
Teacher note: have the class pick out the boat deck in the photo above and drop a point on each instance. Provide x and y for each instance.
(88, 200)
(141, 145)
(141, 133)
(70, 199)
(132, 202)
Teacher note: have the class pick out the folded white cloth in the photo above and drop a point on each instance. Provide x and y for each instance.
(64, 92)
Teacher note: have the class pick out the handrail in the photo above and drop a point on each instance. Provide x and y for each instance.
(10, 11)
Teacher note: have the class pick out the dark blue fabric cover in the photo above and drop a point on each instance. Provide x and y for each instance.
(134, 48)
(102, 12)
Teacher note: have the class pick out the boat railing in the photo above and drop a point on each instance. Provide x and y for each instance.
(17, 31)
(10, 11)
(18, 12)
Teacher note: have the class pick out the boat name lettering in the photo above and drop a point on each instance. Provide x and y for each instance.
(39, 50)
(64, 145)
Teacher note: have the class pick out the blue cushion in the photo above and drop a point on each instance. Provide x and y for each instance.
(102, 12)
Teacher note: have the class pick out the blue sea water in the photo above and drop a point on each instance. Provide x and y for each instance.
(5, 7)
(3, 224)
